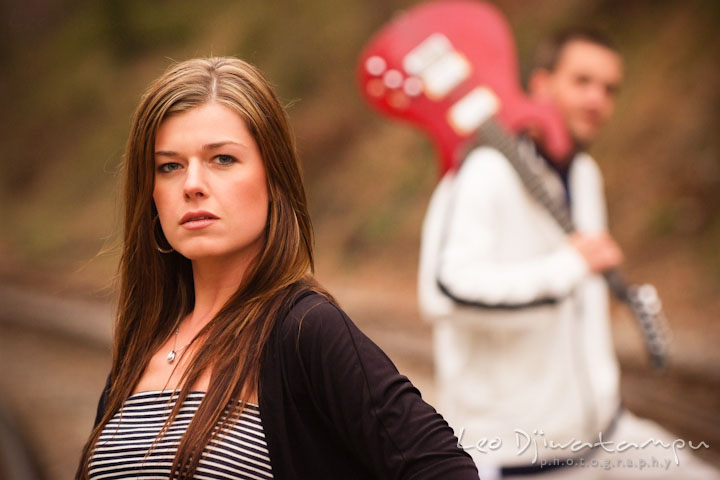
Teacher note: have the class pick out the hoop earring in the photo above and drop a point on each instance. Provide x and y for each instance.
(157, 245)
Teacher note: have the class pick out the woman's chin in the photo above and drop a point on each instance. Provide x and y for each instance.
(212, 255)
(200, 254)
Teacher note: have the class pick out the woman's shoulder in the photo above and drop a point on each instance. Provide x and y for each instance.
(314, 314)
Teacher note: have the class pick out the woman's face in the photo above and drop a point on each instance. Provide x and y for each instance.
(210, 185)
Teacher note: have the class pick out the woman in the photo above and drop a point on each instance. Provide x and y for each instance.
(229, 359)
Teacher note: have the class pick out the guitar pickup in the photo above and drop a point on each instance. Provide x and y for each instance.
(440, 67)
(472, 110)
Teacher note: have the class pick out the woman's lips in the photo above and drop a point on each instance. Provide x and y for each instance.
(196, 220)
(198, 223)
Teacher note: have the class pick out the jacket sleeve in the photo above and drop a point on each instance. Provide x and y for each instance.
(378, 413)
(469, 270)
(102, 403)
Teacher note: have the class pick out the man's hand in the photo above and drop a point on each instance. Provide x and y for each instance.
(600, 251)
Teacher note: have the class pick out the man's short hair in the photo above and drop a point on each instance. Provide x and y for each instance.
(549, 51)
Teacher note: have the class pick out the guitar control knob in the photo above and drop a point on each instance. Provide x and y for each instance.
(393, 79)
(375, 65)
(413, 86)
(398, 100)
(375, 88)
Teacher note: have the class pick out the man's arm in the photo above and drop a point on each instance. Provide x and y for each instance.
(469, 269)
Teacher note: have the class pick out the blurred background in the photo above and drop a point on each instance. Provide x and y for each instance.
(73, 71)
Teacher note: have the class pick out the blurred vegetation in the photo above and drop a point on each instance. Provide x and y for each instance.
(73, 71)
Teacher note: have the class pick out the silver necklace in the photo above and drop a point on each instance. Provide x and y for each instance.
(173, 353)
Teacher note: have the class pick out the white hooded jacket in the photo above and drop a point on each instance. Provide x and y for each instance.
(521, 328)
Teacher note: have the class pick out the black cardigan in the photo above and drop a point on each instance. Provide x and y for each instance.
(333, 406)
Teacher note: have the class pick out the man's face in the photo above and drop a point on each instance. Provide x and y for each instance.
(583, 86)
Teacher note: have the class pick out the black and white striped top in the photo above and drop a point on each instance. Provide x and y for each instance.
(122, 450)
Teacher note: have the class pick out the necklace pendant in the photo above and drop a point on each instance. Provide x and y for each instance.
(171, 356)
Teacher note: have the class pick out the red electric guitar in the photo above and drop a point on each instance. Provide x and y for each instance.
(447, 67)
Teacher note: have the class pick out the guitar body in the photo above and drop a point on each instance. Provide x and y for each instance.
(448, 66)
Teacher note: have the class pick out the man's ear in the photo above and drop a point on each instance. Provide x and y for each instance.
(539, 84)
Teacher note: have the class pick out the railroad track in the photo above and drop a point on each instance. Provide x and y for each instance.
(17, 460)
(56, 353)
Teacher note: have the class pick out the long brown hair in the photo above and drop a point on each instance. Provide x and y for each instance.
(156, 289)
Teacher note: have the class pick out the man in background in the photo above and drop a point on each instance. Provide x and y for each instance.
(524, 356)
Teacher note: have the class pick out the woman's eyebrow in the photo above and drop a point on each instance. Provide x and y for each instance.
(207, 146)
(164, 153)
(212, 146)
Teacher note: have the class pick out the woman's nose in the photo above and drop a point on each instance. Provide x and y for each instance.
(195, 185)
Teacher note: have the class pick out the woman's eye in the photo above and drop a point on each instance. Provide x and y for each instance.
(168, 167)
(224, 159)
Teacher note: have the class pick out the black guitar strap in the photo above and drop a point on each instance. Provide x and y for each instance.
(642, 299)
